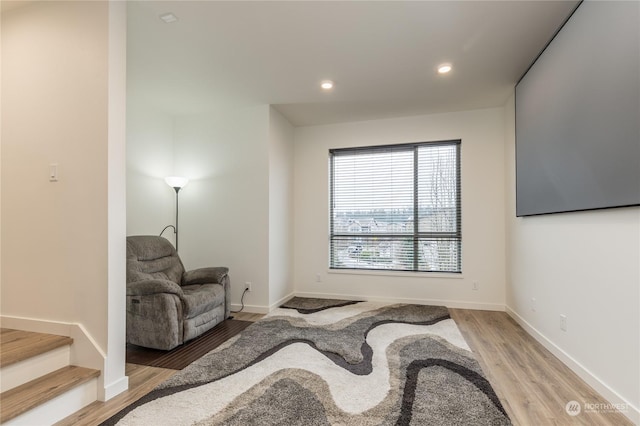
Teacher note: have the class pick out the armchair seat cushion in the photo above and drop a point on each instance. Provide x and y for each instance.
(201, 298)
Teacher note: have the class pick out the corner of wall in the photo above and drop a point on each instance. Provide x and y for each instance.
(509, 199)
(280, 207)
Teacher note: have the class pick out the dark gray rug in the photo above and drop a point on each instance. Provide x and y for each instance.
(358, 364)
(306, 305)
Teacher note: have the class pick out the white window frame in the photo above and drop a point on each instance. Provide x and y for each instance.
(417, 237)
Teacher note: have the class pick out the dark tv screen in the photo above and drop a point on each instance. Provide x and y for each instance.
(578, 115)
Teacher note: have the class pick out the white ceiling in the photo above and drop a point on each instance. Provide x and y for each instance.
(381, 55)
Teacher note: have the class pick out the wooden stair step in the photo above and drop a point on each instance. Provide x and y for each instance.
(29, 395)
(18, 345)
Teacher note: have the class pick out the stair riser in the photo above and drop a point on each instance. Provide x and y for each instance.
(60, 407)
(22, 372)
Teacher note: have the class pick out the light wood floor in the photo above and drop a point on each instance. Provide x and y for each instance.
(532, 384)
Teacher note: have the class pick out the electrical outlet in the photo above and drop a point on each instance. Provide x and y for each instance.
(533, 304)
(247, 286)
(563, 322)
(318, 278)
(476, 286)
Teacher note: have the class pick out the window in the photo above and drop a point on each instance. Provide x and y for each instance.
(396, 207)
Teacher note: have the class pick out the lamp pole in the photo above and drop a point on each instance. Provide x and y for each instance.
(177, 188)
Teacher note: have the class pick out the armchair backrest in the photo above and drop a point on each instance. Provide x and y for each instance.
(152, 257)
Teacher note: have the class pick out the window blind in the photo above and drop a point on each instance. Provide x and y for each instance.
(396, 207)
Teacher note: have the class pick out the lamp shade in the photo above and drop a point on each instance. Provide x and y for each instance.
(176, 181)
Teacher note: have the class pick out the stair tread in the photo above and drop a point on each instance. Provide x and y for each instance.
(18, 345)
(38, 391)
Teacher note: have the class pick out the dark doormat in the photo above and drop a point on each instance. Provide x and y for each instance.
(183, 355)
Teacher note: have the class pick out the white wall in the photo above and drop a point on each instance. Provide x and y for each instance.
(224, 211)
(58, 90)
(280, 208)
(482, 155)
(150, 158)
(55, 108)
(236, 210)
(584, 265)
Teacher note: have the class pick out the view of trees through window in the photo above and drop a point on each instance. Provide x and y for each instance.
(396, 207)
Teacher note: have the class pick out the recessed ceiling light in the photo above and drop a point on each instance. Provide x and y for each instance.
(444, 68)
(326, 85)
(169, 18)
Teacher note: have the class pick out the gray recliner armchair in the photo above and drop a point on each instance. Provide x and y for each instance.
(166, 305)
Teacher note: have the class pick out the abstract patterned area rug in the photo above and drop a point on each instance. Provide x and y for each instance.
(319, 363)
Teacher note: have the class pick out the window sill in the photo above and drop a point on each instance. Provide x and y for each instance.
(387, 273)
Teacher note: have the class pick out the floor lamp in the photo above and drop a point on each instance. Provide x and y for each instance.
(177, 183)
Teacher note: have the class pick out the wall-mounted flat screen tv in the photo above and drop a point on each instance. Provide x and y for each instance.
(578, 115)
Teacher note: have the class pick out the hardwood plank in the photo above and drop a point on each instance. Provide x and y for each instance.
(29, 395)
(18, 345)
(247, 316)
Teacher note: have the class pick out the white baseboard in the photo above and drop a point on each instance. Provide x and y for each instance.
(632, 412)
(252, 309)
(261, 309)
(438, 302)
(106, 392)
(280, 302)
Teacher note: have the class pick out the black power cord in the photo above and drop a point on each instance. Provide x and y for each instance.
(167, 227)
(241, 301)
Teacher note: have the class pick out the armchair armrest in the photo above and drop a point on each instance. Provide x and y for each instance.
(205, 275)
(147, 287)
